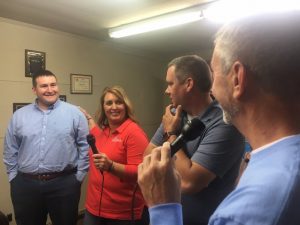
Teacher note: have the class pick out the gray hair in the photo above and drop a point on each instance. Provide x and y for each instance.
(268, 45)
(195, 67)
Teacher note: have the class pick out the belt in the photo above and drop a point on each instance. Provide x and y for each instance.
(48, 176)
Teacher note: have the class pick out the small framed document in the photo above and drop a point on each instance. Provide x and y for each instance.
(81, 84)
(34, 62)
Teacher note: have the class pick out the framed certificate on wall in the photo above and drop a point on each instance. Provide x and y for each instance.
(81, 84)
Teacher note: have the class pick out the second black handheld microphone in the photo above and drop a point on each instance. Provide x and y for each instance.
(191, 130)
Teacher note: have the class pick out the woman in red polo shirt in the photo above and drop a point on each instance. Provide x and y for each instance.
(112, 195)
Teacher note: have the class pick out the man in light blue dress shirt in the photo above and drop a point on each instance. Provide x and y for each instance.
(46, 156)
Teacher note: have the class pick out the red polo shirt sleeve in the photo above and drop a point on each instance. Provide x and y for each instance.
(136, 144)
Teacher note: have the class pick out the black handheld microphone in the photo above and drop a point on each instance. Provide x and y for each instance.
(91, 140)
(192, 129)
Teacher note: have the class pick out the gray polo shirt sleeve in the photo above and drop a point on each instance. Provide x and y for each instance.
(157, 138)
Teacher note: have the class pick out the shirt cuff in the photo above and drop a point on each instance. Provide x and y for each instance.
(166, 214)
(12, 175)
(80, 175)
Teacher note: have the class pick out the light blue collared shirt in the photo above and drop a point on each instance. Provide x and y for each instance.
(48, 141)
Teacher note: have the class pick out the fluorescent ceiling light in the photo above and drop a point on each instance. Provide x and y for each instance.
(226, 10)
(157, 23)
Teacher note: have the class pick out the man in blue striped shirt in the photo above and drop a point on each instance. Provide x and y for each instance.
(46, 156)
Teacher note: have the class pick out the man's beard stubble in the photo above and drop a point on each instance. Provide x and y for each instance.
(229, 114)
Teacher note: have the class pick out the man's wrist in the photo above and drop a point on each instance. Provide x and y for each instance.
(168, 134)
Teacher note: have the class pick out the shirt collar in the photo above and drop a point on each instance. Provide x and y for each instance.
(254, 151)
(53, 106)
(207, 114)
(121, 128)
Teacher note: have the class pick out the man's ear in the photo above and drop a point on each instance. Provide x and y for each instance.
(239, 79)
(34, 90)
(189, 82)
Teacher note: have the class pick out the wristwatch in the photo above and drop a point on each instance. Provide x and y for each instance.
(168, 134)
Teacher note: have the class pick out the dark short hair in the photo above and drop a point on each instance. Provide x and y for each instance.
(195, 67)
(41, 73)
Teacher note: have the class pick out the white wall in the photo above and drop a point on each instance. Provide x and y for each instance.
(141, 76)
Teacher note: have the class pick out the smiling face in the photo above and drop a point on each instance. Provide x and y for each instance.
(114, 109)
(46, 90)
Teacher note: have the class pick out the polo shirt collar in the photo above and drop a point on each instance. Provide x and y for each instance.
(208, 114)
(121, 128)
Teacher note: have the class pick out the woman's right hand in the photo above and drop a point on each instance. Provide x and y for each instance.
(86, 114)
(102, 162)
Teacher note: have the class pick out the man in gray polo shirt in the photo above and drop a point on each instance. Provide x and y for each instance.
(209, 164)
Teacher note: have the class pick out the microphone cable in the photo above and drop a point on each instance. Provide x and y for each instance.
(132, 203)
(101, 194)
(132, 200)
(92, 142)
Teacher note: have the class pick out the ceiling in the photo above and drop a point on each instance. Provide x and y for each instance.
(92, 18)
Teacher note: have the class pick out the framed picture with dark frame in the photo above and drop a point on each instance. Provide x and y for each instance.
(81, 84)
(34, 61)
(63, 98)
(17, 106)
